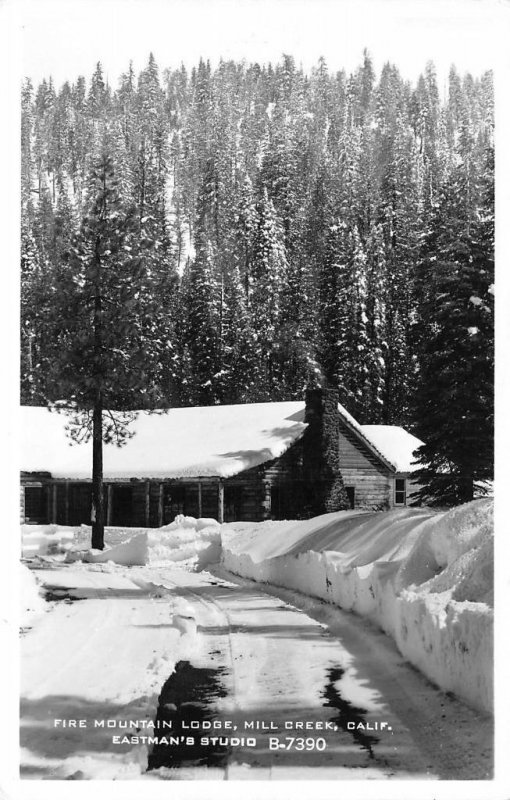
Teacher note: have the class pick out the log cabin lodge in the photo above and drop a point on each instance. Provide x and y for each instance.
(242, 462)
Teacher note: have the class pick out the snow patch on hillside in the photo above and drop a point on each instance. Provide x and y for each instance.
(424, 577)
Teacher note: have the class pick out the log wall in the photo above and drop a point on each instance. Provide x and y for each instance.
(251, 495)
(361, 469)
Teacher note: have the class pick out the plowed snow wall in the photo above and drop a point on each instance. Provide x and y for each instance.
(449, 642)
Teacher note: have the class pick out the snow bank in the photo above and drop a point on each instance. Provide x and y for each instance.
(41, 540)
(425, 578)
(32, 603)
(189, 542)
(132, 553)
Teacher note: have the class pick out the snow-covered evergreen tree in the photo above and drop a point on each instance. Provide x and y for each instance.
(454, 400)
(268, 268)
(202, 325)
(301, 209)
(103, 297)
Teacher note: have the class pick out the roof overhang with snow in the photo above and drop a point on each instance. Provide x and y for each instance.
(198, 442)
(396, 443)
(216, 441)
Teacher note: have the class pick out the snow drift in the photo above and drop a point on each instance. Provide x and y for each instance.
(132, 553)
(45, 539)
(189, 542)
(424, 577)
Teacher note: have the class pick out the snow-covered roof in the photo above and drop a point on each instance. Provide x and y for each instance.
(213, 441)
(216, 441)
(396, 445)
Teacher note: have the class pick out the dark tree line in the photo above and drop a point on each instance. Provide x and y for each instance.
(259, 230)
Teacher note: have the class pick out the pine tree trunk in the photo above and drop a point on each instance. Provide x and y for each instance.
(97, 478)
(97, 419)
(466, 489)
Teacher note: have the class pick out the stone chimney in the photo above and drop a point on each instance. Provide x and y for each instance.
(325, 490)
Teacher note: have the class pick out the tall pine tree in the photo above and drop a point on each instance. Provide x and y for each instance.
(103, 296)
(454, 400)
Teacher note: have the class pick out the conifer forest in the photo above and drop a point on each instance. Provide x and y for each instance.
(234, 234)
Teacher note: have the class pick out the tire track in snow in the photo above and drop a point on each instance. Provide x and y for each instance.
(455, 740)
(348, 755)
(77, 664)
(210, 603)
(81, 642)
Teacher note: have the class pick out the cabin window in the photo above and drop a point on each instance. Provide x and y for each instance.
(122, 506)
(400, 491)
(80, 503)
(36, 504)
(351, 494)
(283, 505)
(174, 502)
(286, 498)
(276, 501)
(233, 503)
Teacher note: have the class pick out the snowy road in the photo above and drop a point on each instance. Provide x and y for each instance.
(256, 684)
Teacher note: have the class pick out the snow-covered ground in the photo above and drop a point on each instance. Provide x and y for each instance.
(100, 661)
(425, 578)
(97, 652)
(32, 602)
(190, 542)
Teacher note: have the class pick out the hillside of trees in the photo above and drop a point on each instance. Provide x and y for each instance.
(292, 228)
